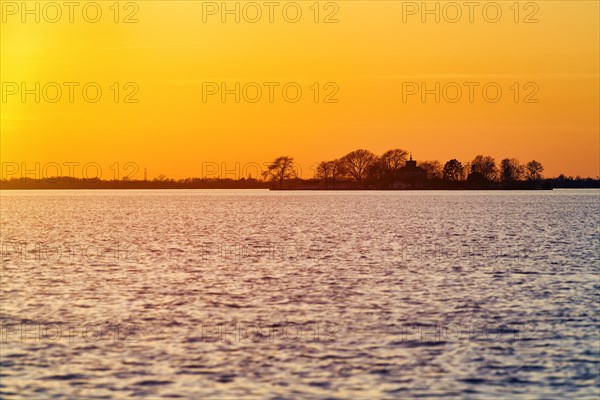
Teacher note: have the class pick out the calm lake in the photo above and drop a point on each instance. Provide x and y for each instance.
(258, 294)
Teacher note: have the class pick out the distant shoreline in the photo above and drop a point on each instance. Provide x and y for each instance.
(294, 185)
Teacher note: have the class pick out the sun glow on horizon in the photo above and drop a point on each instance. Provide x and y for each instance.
(354, 62)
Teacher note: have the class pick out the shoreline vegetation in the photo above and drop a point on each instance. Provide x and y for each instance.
(357, 170)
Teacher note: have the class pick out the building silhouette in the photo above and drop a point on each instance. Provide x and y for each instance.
(410, 176)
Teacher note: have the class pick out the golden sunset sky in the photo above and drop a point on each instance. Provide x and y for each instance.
(373, 51)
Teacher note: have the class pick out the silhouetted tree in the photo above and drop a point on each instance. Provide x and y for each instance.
(323, 170)
(434, 169)
(358, 163)
(510, 170)
(280, 170)
(393, 160)
(453, 170)
(330, 171)
(534, 170)
(339, 172)
(486, 166)
(390, 163)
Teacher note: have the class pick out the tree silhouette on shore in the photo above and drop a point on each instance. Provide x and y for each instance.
(280, 170)
(510, 170)
(363, 169)
(486, 166)
(358, 164)
(453, 170)
(534, 170)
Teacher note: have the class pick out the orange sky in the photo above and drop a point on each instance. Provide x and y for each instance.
(369, 54)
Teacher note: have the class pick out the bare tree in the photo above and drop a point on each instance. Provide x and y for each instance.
(486, 166)
(534, 170)
(338, 170)
(393, 160)
(358, 163)
(280, 170)
(323, 170)
(330, 171)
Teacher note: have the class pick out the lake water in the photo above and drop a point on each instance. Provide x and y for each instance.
(258, 294)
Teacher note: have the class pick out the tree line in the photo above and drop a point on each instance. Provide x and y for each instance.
(363, 169)
(359, 169)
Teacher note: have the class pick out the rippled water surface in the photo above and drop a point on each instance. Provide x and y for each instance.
(257, 294)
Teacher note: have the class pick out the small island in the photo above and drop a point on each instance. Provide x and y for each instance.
(397, 170)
